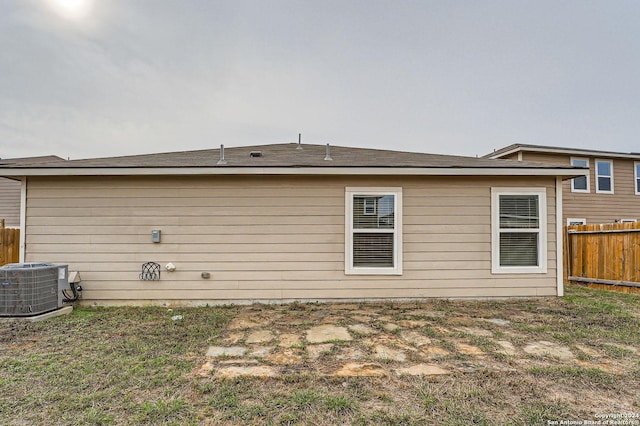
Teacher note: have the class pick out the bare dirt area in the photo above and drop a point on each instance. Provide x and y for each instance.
(522, 362)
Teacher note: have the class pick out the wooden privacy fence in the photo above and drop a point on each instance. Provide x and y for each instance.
(604, 255)
(9, 244)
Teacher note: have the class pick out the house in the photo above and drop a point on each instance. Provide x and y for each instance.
(10, 202)
(608, 192)
(10, 190)
(288, 222)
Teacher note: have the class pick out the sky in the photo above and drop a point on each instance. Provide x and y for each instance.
(94, 78)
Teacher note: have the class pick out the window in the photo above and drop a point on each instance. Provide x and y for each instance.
(626, 220)
(580, 183)
(637, 167)
(370, 206)
(373, 240)
(571, 222)
(604, 176)
(519, 240)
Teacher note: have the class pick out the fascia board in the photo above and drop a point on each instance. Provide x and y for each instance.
(357, 171)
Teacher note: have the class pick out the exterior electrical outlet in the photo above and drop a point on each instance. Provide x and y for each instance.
(155, 236)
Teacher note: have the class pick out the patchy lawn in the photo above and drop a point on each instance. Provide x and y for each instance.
(509, 362)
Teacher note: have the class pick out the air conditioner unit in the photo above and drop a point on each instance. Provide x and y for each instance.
(31, 288)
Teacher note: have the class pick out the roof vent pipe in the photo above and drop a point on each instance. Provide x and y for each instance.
(327, 156)
(299, 141)
(222, 161)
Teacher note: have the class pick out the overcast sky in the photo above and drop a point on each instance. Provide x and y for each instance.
(119, 77)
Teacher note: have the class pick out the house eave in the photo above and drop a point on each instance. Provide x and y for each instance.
(566, 151)
(322, 171)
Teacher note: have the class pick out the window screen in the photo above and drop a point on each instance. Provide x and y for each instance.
(518, 249)
(373, 230)
(580, 183)
(604, 176)
(519, 230)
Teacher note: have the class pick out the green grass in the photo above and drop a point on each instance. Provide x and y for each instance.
(575, 374)
(429, 332)
(89, 363)
(484, 343)
(617, 352)
(114, 366)
(340, 403)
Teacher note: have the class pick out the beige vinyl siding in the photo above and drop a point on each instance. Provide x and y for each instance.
(541, 157)
(10, 202)
(594, 207)
(512, 156)
(278, 238)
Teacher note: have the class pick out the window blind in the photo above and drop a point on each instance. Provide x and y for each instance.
(519, 230)
(372, 250)
(373, 230)
(518, 249)
(519, 211)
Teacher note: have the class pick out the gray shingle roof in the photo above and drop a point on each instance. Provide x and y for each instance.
(27, 161)
(286, 155)
(558, 149)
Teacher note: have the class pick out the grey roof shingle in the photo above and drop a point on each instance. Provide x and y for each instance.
(28, 161)
(286, 155)
(551, 149)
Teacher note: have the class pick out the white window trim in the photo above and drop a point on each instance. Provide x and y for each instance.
(541, 268)
(598, 190)
(636, 168)
(626, 220)
(23, 218)
(587, 174)
(349, 269)
(571, 219)
(364, 208)
(559, 239)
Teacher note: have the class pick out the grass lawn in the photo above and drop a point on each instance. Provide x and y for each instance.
(137, 366)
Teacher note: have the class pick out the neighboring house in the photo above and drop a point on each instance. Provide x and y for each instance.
(285, 222)
(10, 190)
(608, 192)
(10, 202)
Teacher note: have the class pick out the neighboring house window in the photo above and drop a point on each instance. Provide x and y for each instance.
(571, 222)
(580, 183)
(637, 166)
(519, 230)
(370, 206)
(627, 221)
(373, 240)
(604, 176)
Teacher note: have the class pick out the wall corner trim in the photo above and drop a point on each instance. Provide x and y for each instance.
(559, 238)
